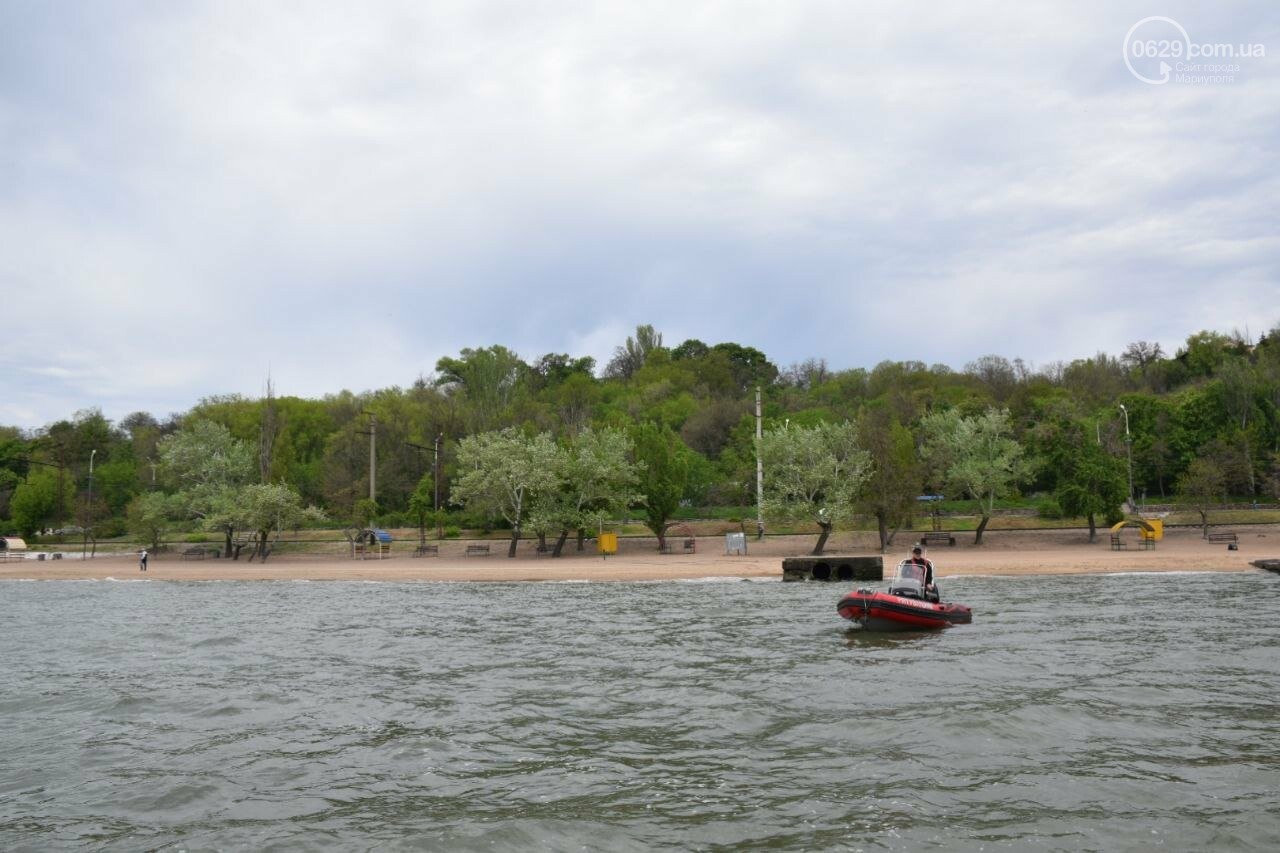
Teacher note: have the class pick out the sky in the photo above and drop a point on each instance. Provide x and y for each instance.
(196, 196)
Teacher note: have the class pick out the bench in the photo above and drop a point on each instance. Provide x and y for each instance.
(425, 550)
(199, 553)
(1118, 544)
(938, 536)
(543, 550)
(1222, 536)
(476, 550)
(690, 545)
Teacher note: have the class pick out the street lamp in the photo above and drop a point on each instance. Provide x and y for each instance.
(88, 515)
(436, 477)
(1128, 444)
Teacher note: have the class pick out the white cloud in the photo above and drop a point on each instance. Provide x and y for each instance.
(199, 193)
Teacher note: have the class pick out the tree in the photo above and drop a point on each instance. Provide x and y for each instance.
(208, 466)
(813, 474)
(663, 463)
(631, 356)
(1202, 485)
(422, 503)
(265, 507)
(975, 456)
(502, 473)
(1091, 482)
(895, 477)
(597, 480)
(37, 502)
(150, 516)
(487, 379)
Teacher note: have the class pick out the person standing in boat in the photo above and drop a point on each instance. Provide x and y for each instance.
(918, 559)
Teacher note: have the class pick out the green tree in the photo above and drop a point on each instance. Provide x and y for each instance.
(813, 474)
(631, 356)
(267, 509)
(503, 472)
(1202, 486)
(208, 466)
(596, 481)
(663, 464)
(38, 502)
(976, 456)
(150, 516)
(1091, 482)
(895, 476)
(485, 379)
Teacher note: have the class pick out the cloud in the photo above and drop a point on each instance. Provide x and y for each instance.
(194, 195)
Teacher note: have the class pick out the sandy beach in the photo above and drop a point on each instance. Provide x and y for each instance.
(1002, 553)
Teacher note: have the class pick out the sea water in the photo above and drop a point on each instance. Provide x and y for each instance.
(1123, 712)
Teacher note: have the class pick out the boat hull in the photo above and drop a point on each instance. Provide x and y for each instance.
(881, 611)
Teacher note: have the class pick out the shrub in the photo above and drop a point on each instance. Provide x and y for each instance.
(1049, 509)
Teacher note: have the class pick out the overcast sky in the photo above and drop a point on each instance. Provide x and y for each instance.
(194, 194)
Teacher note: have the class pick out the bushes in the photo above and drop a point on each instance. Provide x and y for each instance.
(1049, 508)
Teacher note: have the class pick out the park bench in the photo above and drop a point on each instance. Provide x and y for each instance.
(427, 550)
(938, 536)
(1118, 544)
(199, 553)
(688, 545)
(1222, 536)
(543, 550)
(476, 550)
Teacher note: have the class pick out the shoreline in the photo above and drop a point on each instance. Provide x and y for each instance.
(1003, 554)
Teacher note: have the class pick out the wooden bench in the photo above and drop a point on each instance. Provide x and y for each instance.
(476, 550)
(543, 550)
(199, 553)
(938, 536)
(1118, 544)
(1222, 536)
(427, 550)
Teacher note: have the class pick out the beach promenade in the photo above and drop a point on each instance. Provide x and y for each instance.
(1002, 553)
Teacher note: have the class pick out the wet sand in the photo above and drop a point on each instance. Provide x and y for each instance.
(1002, 553)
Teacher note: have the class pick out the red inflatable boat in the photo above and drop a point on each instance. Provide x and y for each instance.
(907, 606)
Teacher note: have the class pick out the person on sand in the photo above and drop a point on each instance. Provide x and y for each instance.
(918, 559)
(142, 560)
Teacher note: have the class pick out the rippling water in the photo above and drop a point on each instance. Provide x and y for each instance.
(1107, 713)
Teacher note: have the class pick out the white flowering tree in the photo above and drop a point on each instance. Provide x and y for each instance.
(503, 473)
(813, 474)
(976, 456)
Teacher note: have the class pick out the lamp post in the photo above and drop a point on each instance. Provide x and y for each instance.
(88, 511)
(1128, 445)
(436, 477)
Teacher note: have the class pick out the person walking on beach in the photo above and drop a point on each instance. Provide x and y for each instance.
(918, 559)
(142, 560)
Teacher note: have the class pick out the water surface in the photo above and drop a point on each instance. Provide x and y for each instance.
(1126, 712)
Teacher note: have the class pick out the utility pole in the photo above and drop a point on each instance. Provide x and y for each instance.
(759, 474)
(435, 476)
(373, 454)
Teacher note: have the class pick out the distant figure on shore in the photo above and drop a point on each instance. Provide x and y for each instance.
(918, 558)
(142, 560)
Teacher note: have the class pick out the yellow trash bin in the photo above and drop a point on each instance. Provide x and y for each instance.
(608, 543)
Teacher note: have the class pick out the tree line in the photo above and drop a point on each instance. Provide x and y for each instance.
(554, 446)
